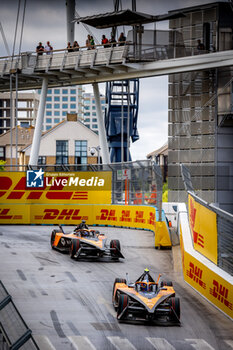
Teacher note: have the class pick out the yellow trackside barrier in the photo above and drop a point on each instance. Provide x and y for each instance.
(162, 236)
(203, 275)
(68, 198)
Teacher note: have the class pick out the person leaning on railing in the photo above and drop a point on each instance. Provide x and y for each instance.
(40, 49)
(121, 39)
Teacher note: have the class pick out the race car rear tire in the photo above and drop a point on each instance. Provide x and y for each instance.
(166, 283)
(53, 235)
(123, 303)
(74, 247)
(115, 243)
(175, 308)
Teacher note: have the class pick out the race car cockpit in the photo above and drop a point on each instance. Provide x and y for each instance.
(145, 282)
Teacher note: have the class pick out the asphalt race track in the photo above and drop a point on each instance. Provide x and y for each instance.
(67, 304)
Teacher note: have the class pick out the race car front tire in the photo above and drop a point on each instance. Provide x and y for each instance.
(175, 308)
(114, 299)
(53, 235)
(74, 247)
(123, 303)
(115, 243)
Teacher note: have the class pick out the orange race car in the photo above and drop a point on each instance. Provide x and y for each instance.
(146, 300)
(85, 243)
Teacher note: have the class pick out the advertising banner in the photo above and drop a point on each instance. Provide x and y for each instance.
(203, 226)
(216, 289)
(55, 187)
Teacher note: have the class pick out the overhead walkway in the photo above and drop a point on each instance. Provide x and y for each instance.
(105, 64)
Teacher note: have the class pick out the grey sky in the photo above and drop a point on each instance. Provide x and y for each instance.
(46, 20)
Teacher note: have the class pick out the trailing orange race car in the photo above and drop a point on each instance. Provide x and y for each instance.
(146, 300)
(85, 243)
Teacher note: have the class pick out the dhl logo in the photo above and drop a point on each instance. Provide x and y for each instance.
(195, 273)
(64, 214)
(4, 215)
(55, 192)
(220, 292)
(125, 216)
(197, 237)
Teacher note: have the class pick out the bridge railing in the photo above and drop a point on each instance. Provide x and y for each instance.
(211, 227)
(30, 62)
(14, 333)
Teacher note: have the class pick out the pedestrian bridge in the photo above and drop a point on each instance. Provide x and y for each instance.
(100, 64)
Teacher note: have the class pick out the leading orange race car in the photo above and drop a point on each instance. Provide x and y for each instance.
(146, 300)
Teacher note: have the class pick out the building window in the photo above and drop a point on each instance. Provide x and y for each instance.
(57, 113)
(64, 91)
(48, 127)
(57, 105)
(49, 98)
(87, 120)
(57, 91)
(48, 120)
(2, 153)
(103, 108)
(95, 126)
(93, 107)
(49, 91)
(81, 152)
(94, 114)
(64, 105)
(56, 98)
(73, 98)
(87, 107)
(64, 98)
(87, 125)
(61, 152)
(56, 120)
(87, 114)
(42, 160)
(48, 113)
(86, 101)
(73, 91)
(94, 120)
(102, 102)
(48, 105)
(73, 105)
(64, 114)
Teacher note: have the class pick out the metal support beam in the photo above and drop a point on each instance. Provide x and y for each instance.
(39, 124)
(102, 133)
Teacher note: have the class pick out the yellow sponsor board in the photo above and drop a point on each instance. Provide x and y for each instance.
(14, 214)
(208, 283)
(57, 188)
(203, 225)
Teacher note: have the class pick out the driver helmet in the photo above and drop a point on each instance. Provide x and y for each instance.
(145, 286)
(83, 221)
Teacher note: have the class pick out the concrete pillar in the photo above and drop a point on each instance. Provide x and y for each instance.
(39, 124)
(102, 133)
(70, 13)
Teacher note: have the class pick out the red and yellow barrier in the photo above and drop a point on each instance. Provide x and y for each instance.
(203, 225)
(60, 204)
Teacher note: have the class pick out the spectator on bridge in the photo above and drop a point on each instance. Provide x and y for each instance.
(69, 47)
(48, 48)
(88, 42)
(122, 39)
(105, 41)
(75, 46)
(112, 41)
(40, 49)
(92, 42)
(200, 45)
